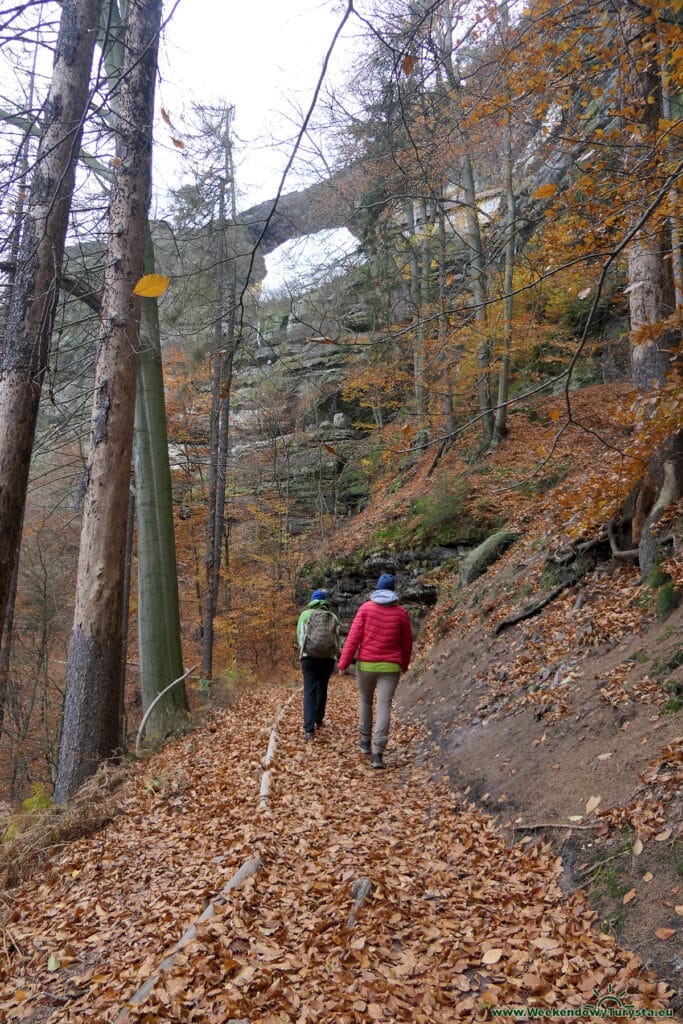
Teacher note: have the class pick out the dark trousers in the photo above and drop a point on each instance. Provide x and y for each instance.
(316, 673)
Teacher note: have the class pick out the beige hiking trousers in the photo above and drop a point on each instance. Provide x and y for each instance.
(384, 685)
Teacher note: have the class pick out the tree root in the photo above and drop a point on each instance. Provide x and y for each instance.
(534, 608)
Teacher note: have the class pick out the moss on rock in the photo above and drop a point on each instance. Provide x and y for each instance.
(478, 561)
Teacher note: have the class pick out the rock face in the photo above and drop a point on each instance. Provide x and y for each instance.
(316, 208)
(351, 582)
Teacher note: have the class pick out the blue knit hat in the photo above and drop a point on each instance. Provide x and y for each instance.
(386, 581)
(318, 595)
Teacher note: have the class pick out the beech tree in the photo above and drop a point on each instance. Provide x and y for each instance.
(653, 295)
(159, 644)
(91, 728)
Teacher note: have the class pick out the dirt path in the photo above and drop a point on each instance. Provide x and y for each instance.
(458, 925)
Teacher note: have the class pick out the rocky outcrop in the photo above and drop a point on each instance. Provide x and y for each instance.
(352, 580)
(316, 208)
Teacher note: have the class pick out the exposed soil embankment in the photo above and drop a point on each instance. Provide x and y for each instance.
(573, 705)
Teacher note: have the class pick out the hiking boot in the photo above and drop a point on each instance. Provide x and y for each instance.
(308, 735)
(364, 747)
(318, 725)
(377, 761)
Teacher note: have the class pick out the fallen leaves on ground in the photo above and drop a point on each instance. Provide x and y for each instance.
(457, 921)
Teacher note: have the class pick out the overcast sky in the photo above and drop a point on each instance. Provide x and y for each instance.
(265, 58)
(262, 56)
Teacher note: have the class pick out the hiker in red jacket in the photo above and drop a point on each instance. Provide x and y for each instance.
(381, 642)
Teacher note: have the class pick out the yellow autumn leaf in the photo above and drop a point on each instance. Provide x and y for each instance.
(648, 876)
(545, 191)
(665, 933)
(661, 837)
(630, 895)
(637, 848)
(593, 804)
(151, 286)
(492, 956)
(679, 910)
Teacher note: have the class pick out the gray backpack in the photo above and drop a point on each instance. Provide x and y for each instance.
(320, 634)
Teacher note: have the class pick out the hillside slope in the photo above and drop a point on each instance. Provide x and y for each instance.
(569, 722)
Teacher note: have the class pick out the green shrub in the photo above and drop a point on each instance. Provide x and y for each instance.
(38, 800)
(443, 517)
(667, 599)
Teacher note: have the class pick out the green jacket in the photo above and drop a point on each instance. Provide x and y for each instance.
(305, 616)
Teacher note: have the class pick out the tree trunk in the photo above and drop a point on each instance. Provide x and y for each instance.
(416, 303)
(158, 605)
(669, 492)
(675, 222)
(212, 542)
(232, 341)
(651, 346)
(161, 657)
(445, 378)
(39, 264)
(651, 291)
(125, 611)
(91, 727)
(500, 425)
(476, 264)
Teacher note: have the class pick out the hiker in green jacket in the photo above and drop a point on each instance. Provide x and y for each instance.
(317, 633)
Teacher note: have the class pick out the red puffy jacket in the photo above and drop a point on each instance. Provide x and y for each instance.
(379, 632)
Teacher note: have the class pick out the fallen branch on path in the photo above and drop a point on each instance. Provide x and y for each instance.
(150, 709)
(249, 868)
(267, 776)
(265, 789)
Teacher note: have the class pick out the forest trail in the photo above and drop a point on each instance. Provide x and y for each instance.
(458, 924)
